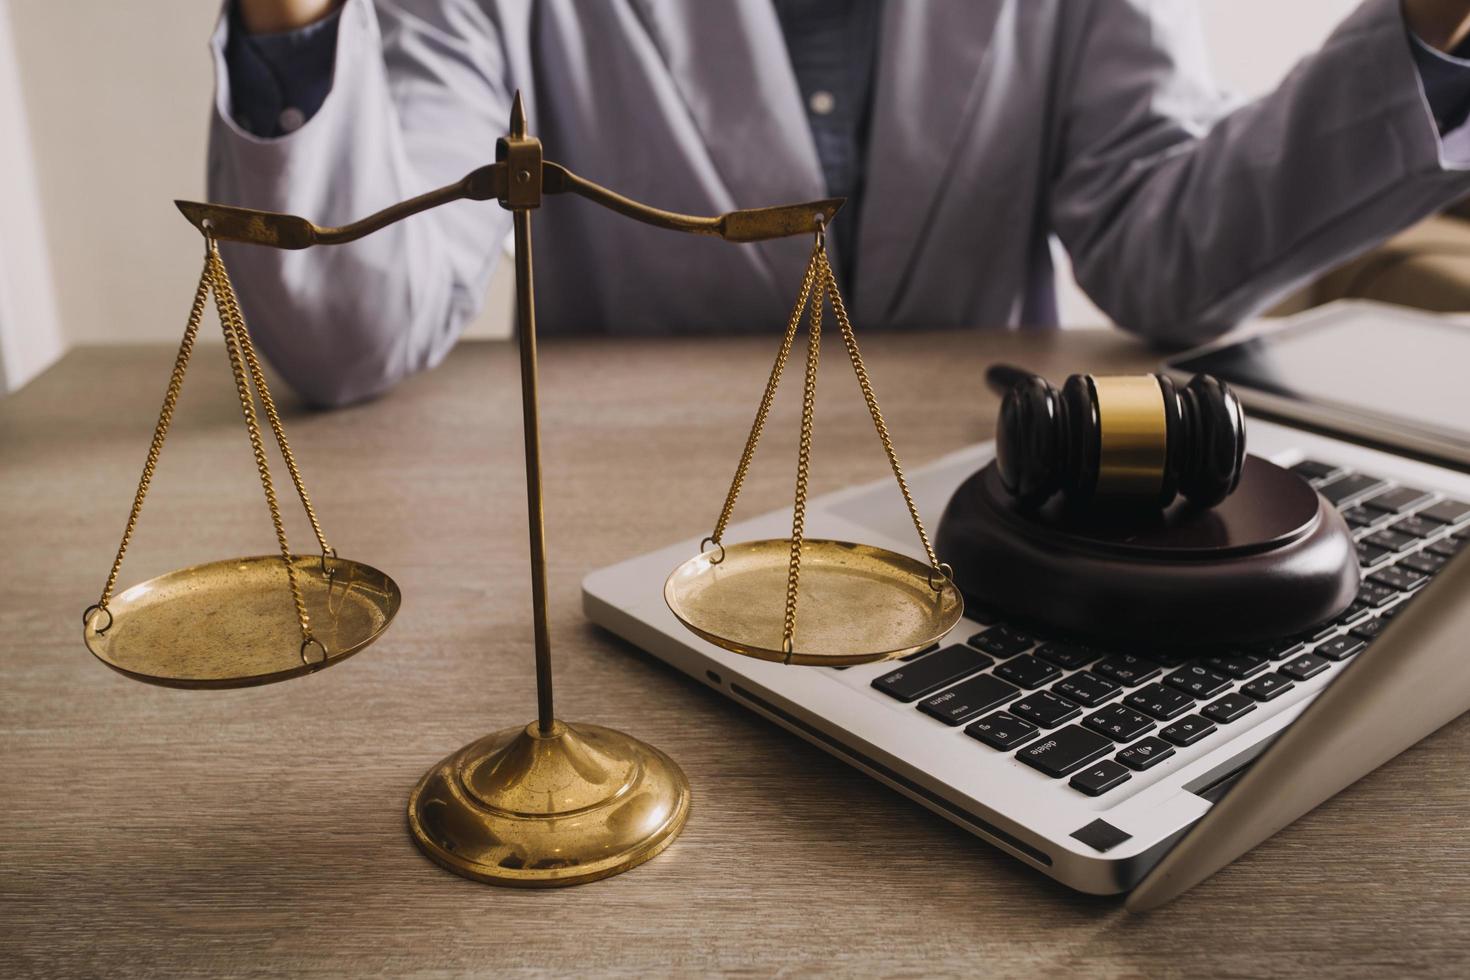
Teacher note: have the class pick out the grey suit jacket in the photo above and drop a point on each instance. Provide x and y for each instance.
(996, 123)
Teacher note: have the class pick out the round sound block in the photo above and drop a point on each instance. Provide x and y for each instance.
(1272, 560)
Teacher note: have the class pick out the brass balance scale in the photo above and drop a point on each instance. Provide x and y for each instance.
(551, 803)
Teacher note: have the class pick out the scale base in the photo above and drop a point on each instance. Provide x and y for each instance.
(536, 810)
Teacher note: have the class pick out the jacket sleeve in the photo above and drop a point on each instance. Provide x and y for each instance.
(1184, 215)
(419, 95)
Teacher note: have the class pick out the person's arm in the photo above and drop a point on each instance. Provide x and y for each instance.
(1183, 218)
(403, 115)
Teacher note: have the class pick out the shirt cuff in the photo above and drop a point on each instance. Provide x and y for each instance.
(1446, 79)
(279, 81)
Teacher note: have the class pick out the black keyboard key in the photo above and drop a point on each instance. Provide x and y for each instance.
(1069, 656)
(1424, 562)
(1360, 517)
(1145, 753)
(1416, 525)
(1119, 723)
(1028, 671)
(1327, 629)
(1267, 687)
(1282, 649)
(911, 657)
(1100, 777)
(1065, 751)
(1341, 648)
(1198, 681)
(1354, 613)
(1238, 665)
(1446, 512)
(1393, 611)
(1312, 469)
(1002, 731)
(1163, 703)
(1229, 708)
(1045, 709)
(1397, 577)
(1392, 540)
(928, 674)
(1446, 547)
(1169, 659)
(1188, 730)
(1369, 630)
(1370, 555)
(1398, 500)
(1087, 688)
(1376, 596)
(958, 704)
(1128, 670)
(1346, 487)
(1304, 666)
(1001, 641)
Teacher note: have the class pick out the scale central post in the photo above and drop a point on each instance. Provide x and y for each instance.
(550, 804)
(522, 156)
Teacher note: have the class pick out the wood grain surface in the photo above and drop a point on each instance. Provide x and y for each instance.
(262, 832)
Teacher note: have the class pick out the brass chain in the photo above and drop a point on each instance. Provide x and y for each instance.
(225, 291)
(160, 432)
(758, 426)
(803, 459)
(233, 346)
(839, 310)
(819, 276)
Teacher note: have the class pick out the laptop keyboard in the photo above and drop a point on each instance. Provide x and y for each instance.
(1098, 717)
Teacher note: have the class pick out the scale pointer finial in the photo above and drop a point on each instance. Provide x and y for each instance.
(517, 117)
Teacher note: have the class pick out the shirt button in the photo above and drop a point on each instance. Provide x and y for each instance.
(822, 102)
(291, 119)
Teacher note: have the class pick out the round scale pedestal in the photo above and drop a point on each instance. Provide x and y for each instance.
(541, 809)
(1274, 559)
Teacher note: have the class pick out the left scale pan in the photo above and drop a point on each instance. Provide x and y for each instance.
(231, 623)
(243, 621)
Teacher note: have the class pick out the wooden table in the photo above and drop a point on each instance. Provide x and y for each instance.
(262, 832)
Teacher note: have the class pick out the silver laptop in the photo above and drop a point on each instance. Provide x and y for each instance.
(1197, 722)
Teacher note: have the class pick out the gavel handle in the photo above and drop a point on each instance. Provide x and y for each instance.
(1003, 377)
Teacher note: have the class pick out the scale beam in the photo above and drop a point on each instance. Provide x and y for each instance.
(491, 182)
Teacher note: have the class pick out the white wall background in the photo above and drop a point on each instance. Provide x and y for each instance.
(115, 95)
(30, 329)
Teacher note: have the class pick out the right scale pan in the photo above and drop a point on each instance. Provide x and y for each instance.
(819, 602)
(862, 603)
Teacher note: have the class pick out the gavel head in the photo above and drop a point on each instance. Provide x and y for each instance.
(1140, 439)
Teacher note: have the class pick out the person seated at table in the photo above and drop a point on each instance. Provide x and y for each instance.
(963, 134)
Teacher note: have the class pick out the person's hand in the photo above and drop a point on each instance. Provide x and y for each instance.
(275, 16)
(1442, 24)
